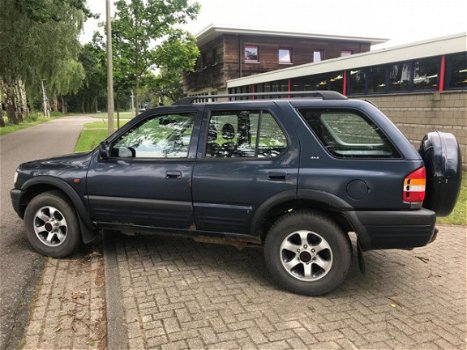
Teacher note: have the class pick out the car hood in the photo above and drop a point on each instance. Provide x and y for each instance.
(77, 161)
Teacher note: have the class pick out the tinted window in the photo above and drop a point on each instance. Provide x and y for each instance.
(348, 134)
(166, 136)
(399, 76)
(234, 134)
(456, 71)
(425, 73)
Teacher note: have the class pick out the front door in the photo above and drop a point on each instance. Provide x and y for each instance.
(147, 178)
(247, 159)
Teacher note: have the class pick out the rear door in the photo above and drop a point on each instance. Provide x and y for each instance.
(244, 158)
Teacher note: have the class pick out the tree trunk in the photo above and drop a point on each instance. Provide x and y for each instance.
(9, 102)
(17, 101)
(137, 95)
(23, 99)
(64, 106)
(2, 122)
(54, 104)
(94, 104)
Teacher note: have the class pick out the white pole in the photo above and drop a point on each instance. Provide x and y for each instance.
(133, 104)
(110, 90)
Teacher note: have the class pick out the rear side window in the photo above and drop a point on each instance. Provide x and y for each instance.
(348, 134)
(244, 134)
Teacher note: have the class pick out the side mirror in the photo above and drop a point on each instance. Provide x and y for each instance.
(104, 149)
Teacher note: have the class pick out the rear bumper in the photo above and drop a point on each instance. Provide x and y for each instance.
(394, 229)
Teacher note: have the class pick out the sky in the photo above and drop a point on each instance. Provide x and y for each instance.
(401, 21)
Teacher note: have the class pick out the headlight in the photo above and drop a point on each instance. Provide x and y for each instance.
(15, 178)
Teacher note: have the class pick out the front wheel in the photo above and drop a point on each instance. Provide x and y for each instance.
(307, 253)
(51, 225)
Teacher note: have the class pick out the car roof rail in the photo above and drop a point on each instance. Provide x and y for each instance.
(324, 95)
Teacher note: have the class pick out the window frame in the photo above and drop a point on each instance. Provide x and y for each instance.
(321, 55)
(290, 55)
(245, 59)
(202, 148)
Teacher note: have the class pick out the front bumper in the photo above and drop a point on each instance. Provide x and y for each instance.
(16, 196)
(395, 229)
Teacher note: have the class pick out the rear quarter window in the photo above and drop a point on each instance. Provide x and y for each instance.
(348, 134)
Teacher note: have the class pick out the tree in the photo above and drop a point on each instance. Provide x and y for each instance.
(145, 38)
(39, 41)
(165, 87)
(92, 59)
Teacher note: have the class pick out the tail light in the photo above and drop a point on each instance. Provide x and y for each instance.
(414, 187)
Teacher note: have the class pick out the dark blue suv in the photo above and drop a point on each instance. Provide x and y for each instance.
(295, 175)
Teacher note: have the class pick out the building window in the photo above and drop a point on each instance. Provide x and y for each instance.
(456, 71)
(346, 53)
(425, 73)
(215, 58)
(399, 77)
(318, 55)
(251, 53)
(357, 81)
(285, 56)
(376, 80)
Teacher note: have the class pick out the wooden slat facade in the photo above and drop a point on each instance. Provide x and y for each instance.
(212, 72)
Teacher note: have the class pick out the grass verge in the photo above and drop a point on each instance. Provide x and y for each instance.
(32, 120)
(92, 134)
(459, 214)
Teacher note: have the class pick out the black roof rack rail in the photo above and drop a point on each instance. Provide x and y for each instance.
(325, 95)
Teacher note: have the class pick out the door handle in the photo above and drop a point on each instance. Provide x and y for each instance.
(173, 174)
(277, 175)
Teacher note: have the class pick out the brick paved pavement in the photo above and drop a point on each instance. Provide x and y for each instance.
(68, 310)
(182, 294)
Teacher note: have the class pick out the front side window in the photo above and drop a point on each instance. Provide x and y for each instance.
(251, 53)
(244, 134)
(285, 56)
(347, 134)
(164, 136)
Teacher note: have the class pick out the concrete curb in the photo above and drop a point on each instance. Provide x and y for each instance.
(117, 333)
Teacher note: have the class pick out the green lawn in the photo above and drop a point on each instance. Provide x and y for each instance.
(459, 215)
(93, 133)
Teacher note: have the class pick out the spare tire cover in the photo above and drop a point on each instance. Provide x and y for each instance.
(443, 162)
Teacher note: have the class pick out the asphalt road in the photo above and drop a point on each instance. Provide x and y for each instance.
(20, 266)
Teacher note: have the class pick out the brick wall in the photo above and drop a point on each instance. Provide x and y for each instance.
(416, 114)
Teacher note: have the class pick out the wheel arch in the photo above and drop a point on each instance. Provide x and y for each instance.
(40, 184)
(325, 203)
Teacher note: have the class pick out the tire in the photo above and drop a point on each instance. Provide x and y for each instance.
(52, 225)
(324, 258)
(443, 162)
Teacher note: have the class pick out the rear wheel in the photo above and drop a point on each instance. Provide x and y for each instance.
(307, 253)
(51, 225)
